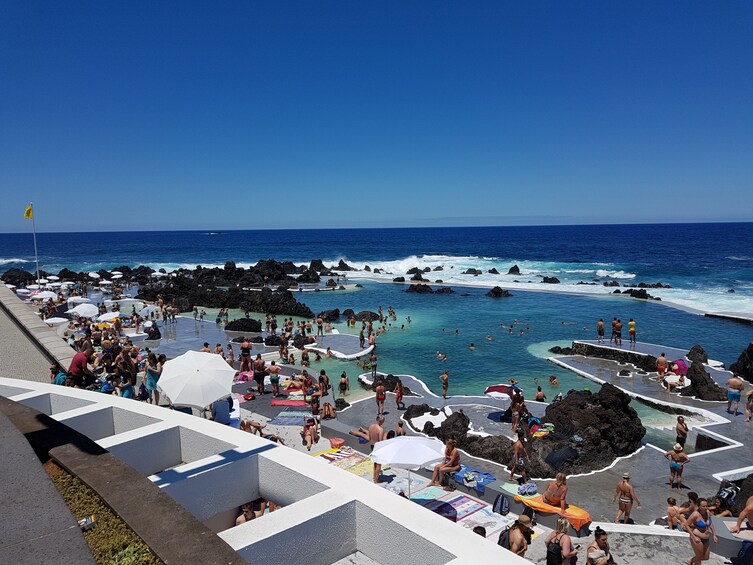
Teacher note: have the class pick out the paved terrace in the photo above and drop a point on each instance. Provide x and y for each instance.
(212, 469)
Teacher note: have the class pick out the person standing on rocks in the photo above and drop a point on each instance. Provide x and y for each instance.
(677, 460)
(631, 332)
(627, 496)
(614, 332)
(600, 331)
(618, 333)
(735, 388)
(518, 459)
(319, 327)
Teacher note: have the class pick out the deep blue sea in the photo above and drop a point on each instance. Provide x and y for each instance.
(701, 262)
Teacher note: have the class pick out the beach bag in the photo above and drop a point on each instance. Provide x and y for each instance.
(504, 538)
(528, 489)
(554, 552)
(143, 394)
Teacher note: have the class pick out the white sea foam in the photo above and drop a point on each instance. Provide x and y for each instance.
(13, 260)
(615, 274)
(736, 258)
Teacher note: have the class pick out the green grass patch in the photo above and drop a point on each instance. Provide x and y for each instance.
(111, 541)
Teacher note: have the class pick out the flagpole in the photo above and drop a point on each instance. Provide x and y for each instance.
(34, 230)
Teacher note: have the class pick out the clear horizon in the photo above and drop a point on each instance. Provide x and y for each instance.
(195, 116)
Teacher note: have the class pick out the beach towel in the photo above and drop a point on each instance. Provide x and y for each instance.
(474, 479)
(455, 508)
(286, 402)
(291, 418)
(575, 515)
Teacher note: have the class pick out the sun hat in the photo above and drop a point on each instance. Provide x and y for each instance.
(678, 447)
(525, 521)
(625, 475)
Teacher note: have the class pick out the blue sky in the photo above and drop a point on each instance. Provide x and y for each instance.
(240, 115)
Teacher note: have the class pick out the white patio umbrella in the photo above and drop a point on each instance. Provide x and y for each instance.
(109, 316)
(117, 276)
(157, 275)
(10, 286)
(42, 281)
(104, 282)
(84, 310)
(78, 300)
(94, 275)
(53, 278)
(55, 321)
(44, 295)
(148, 324)
(116, 273)
(33, 287)
(23, 291)
(196, 379)
(408, 452)
(55, 285)
(146, 311)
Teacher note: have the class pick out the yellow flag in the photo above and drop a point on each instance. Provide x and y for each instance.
(29, 214)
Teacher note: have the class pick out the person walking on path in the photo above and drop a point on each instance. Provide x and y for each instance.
(677, 460)
(627, 497)
(381, 396)
(559, 545)
(735, 388)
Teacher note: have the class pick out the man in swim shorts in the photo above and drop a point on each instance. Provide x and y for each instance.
(661, 365)
(627, 496)
(735, 388)
(681, 429)
(677, 459)
(260, 372)
(381, 396)
(600, 331)
(274, 378)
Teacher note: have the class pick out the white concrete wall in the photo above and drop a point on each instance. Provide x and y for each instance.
(328, 514)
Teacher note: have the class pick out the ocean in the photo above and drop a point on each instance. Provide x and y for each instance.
(702, 263)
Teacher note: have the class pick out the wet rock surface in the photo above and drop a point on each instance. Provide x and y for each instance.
(702, 385)
(244, 325)
(644, 362)
(498, 292)
(590, 431)
(743, 367)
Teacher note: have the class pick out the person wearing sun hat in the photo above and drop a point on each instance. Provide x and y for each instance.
(677, 459)
(520, 535)
(626, 493)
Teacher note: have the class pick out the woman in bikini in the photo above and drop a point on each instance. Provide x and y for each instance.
(556, 492)
(698, 525)
(626, 493)
(449, 464)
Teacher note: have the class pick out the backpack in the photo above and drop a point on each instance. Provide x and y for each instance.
(501, 505)
(727, 495)
(554, 552)
(143, 394)
(504, 538)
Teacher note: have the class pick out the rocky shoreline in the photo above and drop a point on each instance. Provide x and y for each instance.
(591, 430)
